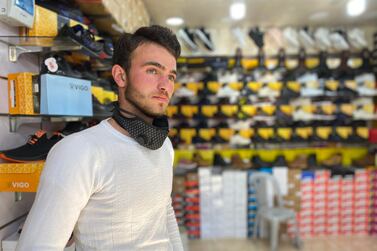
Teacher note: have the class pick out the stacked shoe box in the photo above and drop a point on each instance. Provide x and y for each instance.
(212, 204)
(319, 202)
(333, 205)
(347, 199)
(192, 208)
(178, 198)
(235, 204)
(251, 206)
(205, 202)
(292, 199)
(373, 212)
(306, 215)
(361, 202)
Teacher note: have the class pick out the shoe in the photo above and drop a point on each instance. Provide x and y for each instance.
(237, 162)
(257, 36)
(73, 127)
(259, 163)
(312, 161)
(205, 38)
(200, 161)
(280, 161)
(219, 161)
(322, 38)
(108, 46)
(367, 160)
(188, 39)
(333, 161)
(82, 36)
(300, 162)
(56, 64)
(239, 141)
(184, 92)
(36, 148)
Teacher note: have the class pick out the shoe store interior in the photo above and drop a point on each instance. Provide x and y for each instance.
(273, 117)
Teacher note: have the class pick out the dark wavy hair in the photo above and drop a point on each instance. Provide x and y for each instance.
(128, 42)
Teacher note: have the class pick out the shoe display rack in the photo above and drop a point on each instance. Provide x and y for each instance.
(307, 118)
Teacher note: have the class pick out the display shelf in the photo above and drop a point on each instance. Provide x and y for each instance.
(18, 45)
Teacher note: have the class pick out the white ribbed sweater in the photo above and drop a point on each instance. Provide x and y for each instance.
(114, 194)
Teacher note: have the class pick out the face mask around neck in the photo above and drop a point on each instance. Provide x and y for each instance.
(151, 136)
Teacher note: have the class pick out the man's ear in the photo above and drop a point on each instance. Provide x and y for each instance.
(119, 75)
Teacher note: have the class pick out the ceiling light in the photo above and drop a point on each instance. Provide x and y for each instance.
(237, 10)
(174, 21)
(356, 7)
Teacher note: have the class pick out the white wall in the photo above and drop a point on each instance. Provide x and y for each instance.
(9, 208)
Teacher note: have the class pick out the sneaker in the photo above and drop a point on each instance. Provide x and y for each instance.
(257, 36)
(239, 141)
(322, 38)
(188, 39)
(36, 148)
(205, 38)
(306, 39)
(356, 38)
(82, 36)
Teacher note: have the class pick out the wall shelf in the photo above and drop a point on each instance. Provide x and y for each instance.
(18, 45)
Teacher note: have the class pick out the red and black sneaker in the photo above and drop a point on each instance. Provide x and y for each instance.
(36, 148)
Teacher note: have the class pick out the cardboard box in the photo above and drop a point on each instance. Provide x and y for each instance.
(62, 95)
(20, 177)
(23, 93)
(47, 24)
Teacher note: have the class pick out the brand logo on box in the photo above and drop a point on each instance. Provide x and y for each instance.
(74, 86)
(20, 184)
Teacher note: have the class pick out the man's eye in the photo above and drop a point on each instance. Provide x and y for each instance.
(171, 78)
(152, 71)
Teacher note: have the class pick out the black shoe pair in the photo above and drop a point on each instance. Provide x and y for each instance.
(36, 148)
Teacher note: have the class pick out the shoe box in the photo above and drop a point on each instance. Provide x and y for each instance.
(20, 177)
(10, 243)
(62, 95)
(48, 94)
(47, 24)
(23, 93)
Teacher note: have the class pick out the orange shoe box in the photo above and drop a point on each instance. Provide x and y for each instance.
(23, 93)
(20, 177)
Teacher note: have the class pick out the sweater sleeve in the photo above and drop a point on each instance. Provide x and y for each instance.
(66, 184)
(175, 238)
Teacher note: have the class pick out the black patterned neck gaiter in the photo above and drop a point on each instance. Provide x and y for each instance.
(150, 136)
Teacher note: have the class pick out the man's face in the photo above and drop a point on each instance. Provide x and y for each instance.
(150, 81)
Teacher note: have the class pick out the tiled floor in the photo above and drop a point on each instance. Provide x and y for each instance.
(353, 243)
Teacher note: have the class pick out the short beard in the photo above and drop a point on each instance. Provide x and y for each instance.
(133, 97)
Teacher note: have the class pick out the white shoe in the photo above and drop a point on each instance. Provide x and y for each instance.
(238, 140)
(356, 38)
(301, 115)
(266, 92)
(310, 92)
(228, 92)
(240, 124)
(322, 39)
(184, 92)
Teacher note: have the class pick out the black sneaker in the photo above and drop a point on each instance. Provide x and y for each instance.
(188, 39)
(36, 148)
(82, 36)
(205, 38)
(257, 36)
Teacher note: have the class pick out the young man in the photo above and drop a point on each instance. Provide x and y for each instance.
(111, 184)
